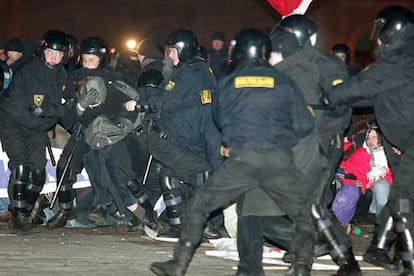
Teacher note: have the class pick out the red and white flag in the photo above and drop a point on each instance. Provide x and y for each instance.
(288, 7)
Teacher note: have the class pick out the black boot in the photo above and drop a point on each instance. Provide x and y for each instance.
(59, 220)
(301, 266)
(348, 266)
(377, 252)
(20, 222)
(178, 265)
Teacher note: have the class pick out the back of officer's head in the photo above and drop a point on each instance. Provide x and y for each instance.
(251, 48)
(186, 43)
(54, 48)
(342, 51)
(302, 27)
(283, 42)
(94, 46)
(393, 26)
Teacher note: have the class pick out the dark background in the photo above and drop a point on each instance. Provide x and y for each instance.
(346, 21)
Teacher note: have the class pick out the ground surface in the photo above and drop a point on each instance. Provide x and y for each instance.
(87, 251)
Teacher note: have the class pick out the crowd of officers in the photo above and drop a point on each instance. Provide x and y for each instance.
(267, 136)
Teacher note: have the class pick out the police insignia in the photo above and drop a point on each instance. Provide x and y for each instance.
(38, 99)
(170, 86)
(206, 97)
(63, 87)
(336, 82)
(254, 81)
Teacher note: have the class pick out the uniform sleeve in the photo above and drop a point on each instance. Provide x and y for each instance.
(378, 78)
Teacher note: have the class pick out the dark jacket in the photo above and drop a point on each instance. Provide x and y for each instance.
(390, 83)
(186, 109)
(35, 84)
(316, 72)
(260, 108)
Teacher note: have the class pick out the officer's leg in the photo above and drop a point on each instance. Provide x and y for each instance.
(66, 195)
(149, 219)
(330, 229)
(73, 153)
(402, 212)
(37, 180)
(17, 193)
(227, 183)
(210, 231)
(383, 239)
(250, 245)
(171, 188)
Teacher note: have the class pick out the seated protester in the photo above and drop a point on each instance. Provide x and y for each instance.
(366, 169)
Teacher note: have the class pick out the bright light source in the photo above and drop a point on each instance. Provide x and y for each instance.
(131, 44)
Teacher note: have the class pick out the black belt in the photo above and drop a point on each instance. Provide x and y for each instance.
(159, 131)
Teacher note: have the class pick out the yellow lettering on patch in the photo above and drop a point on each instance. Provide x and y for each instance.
(254, 81)
(336, 82)
(206, 97)
(170, 86)
(38, 99)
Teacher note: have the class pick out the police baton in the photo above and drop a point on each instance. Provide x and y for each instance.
(49, 150)
(66, 167)
(144, 180)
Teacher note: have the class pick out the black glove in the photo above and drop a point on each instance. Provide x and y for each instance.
(36, 111)
(350, 176)
(147, 108)
(89, 98)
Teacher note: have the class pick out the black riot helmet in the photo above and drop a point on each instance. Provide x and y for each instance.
(302, 27)
(392, 25)
(95, 46)
(251, 47)
(185, 42)
(56, 40)
(150, 78)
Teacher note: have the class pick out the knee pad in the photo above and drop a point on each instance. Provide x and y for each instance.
(172, 193)
(137, 190)
(17, 186)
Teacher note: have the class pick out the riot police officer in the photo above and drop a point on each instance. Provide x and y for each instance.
(261, 116)
(184, 139)
(313, 71)
(31, 108)
(389, 84)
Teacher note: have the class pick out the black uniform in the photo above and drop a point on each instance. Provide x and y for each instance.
(317, 155)
(185, 139)
(261, 117)
(24, 135)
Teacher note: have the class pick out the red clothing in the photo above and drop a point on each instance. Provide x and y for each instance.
(358, 164)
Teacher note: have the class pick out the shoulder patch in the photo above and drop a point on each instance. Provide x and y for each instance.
(254, 81)
(170, 85)
(336, 82)
(38, 99)
(206, 97)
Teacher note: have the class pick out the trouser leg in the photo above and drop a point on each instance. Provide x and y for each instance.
(65, 195)
(250, 245)
(37, 180)
(149, 217)
(173, 198)
(17, 192)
